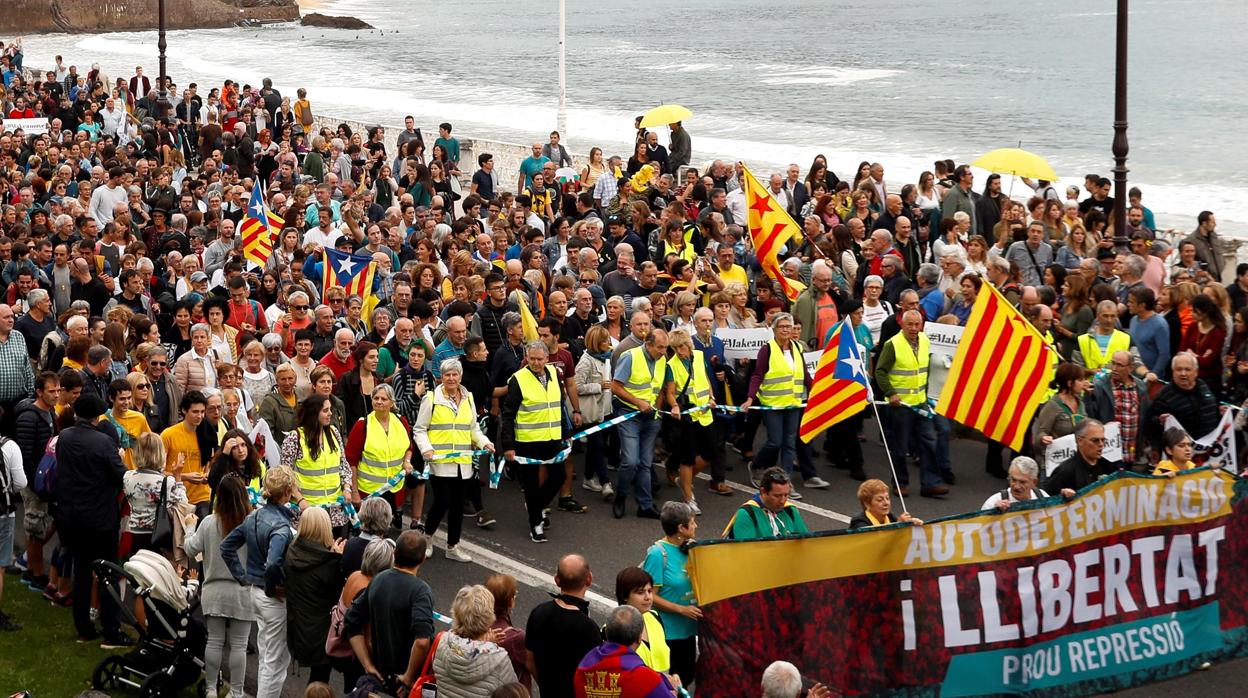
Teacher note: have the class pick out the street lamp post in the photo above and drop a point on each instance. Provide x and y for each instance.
(1120, 129)
(162, 93)
(563, 78)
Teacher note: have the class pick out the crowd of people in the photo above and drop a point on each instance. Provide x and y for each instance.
(295, 432)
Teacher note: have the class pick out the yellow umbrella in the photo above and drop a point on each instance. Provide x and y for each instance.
(1018, 162)
(665, 114)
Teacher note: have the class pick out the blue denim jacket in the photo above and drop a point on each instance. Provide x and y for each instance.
(266, 532)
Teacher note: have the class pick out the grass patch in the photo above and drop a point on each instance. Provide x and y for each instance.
(44, 657)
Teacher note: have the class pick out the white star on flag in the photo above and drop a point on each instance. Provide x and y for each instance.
(855, 365)
(258, 210)
(346, 266)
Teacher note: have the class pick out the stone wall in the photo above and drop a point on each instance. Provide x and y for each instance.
(20, 17)
(507, 156)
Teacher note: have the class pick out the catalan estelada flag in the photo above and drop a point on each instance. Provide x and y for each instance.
(770, 228)
(839, 389)
(259, 226)
(1000, 371)
(354, 273)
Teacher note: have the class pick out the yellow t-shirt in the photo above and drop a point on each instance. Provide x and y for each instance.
(179, 438)
(734, 275)
(134, 425)
(1169, 466)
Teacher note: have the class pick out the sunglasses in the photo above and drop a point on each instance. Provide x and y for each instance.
(298, 307)
(157, 363)
(587, 280)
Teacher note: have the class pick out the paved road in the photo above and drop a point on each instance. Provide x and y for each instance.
(611, 545)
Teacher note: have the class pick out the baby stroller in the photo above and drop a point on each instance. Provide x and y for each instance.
(169, 653)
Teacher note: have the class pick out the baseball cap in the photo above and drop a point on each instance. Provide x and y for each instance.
(198, 276)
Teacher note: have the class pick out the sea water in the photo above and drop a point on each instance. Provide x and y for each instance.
(899, 81)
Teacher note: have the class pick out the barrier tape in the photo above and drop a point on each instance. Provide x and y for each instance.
(567, 450)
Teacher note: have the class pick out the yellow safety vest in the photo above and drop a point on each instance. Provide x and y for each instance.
(1091, 349)
(699, 390)
(783, 385)
(654, 652)
(318, 478)
(1049, 390)
(540, 417)
(641, 383)
(383, 454)
(909, 374)
(451, 430)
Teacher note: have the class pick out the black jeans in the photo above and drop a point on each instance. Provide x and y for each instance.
(539, 496)
(684, 657)
(448, 501)
(86, 545)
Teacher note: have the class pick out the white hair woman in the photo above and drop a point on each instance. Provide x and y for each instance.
(446, 432)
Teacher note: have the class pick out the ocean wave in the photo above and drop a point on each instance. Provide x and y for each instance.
(684, 67)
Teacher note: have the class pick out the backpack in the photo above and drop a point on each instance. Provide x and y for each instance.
(8, 503)
(44, 485)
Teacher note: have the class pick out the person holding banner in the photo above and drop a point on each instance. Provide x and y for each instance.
(780, 384)
(877, 507)
(1063, 413)
(638, 379)
(687, 391)
(901, 372)
(1024, 486)
(447, 424)
(1120, 396)
(1188, 399)
(1179, 449)
(532, 427)
(1086, 466)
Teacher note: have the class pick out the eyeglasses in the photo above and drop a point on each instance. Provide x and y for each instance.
(298, 307)
(587, 280)
(157, 363)
(142, 386)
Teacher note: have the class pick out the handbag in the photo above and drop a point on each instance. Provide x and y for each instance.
(162, 527)
(427, 684)
(337, 644)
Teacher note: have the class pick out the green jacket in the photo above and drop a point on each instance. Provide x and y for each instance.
(750, 522)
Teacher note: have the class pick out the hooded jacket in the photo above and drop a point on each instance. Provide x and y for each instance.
(313, 585)
(470, 668)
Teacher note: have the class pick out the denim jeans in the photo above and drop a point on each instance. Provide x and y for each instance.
(637, 437)
(944, 432)
(236, 631)
(781, 439)
(905, 424)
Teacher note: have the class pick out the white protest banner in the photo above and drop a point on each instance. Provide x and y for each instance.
(272, 449)
(1064, 448)
(811, 358)
(1217, 448)
(944, 339)
(31, 127)
(743, 343)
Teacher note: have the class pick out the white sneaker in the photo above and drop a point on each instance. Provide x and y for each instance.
(429, 548)
(795, 495)
(591, 484)
(608, 491)
(693, 504)
(817, 483)
(454, 553)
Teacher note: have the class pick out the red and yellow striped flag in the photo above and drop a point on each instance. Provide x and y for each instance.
(840, 389)
(1001, 369)
(770, 227)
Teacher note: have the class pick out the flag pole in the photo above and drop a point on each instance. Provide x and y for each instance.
(900, 497)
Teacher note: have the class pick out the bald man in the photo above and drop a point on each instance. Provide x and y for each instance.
(452, 346)
(88, 287)
(560, 632)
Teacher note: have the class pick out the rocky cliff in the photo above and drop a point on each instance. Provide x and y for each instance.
(21, 17)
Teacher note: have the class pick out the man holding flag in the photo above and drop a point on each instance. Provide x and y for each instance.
(901, 372)
(259, 226)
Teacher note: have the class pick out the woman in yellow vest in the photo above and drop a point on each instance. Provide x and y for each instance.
(780, 383)
(634, 587)
(315, 452)
(687, 392)
(379, 448)
(447, 424)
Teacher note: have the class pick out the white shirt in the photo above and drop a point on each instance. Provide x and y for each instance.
(325, 239)
(17, 474)
(735, 201)
(114, 121)
(991, 502)
(103, 200)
